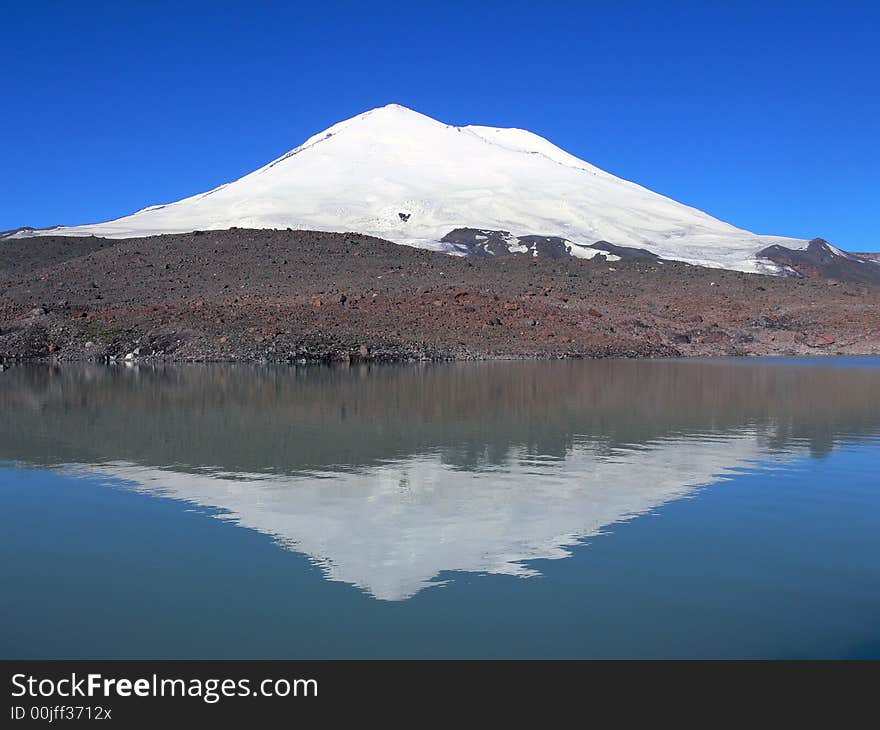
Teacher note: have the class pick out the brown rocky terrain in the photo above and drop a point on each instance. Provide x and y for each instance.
(293, 295)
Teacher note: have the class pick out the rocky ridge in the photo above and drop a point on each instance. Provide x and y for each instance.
(264, 295)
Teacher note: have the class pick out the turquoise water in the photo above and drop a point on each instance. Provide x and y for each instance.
(559, 509)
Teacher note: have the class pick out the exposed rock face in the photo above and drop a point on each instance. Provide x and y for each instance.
(821, 259)
(23, 230)
(485, 242)
(626, 253)
(547, 247)
(480, 242)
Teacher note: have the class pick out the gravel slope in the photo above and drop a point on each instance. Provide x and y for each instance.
(281, 295)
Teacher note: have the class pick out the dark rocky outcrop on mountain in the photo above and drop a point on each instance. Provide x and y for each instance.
(820, 259)
(626, 253)
(486, 242)
(480, 242)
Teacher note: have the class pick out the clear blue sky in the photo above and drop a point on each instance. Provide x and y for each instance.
(764, 114)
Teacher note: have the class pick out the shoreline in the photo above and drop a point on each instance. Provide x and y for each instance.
(353, 360)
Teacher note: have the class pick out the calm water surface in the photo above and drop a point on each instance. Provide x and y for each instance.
(557, 509)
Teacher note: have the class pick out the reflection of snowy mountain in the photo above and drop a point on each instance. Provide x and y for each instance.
(432, 469)
(392, 529)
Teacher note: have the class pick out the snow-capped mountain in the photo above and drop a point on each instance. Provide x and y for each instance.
(400, 175)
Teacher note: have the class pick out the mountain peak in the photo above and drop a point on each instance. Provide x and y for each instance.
(397, 107)
(390, 112)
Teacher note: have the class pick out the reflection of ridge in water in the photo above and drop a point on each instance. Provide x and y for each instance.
(387, 477)
(392, 529)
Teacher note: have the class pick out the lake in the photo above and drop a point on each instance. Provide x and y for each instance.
(564, 509)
